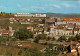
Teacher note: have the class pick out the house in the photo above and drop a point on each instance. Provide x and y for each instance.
(72, 21)
(0, 33)
(74, 48)
(24, 15)
(7, 33)
(76, 31)
(29, 28)
(62, 31)
(74, 52)
(12, 20)
(72, 42)
(51, 29)
(39, 14)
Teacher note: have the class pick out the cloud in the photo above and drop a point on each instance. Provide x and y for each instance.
(57, 6)
(66, 5)
(19, 5)
(24, 9)
(38, 7)
(3, 7)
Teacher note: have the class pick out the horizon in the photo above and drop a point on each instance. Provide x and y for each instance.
(41, 6)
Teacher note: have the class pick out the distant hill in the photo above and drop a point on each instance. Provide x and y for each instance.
(64, 15)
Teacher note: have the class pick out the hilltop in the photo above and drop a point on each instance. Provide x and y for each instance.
(64, 15)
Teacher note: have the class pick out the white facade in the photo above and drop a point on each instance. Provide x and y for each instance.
(30, 14)
(23, 14)
(40, 15)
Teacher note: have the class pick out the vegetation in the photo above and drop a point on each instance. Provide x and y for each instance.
(3, 40)
(49, 38)
(50, 51)
(72, 38)
(53, 39)
(23, 34)
(8, 53)
(62, 38)
(78, 36)
(40, 36)
(14, 51)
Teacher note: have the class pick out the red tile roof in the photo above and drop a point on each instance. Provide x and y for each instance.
(5, 31)
(73, 42)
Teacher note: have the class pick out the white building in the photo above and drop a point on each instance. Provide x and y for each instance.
(24, 14)
(40, 14)
(30, 14)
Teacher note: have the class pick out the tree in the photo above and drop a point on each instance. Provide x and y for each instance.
(40, 36)
(62, 38)
(36, 40)
(78, 36)
(48, 38)
(13, 39)
(53, 39)
(8, 53)
(23, 34)
(46, 43)
(3, 39)
(72, 38)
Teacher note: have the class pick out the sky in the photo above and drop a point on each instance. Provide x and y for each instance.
(40, 6)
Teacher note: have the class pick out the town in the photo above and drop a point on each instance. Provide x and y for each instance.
(37, 34)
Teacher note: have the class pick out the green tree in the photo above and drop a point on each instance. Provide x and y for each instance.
(62, 38)
(48, 52)
(8, 53)
(72, 38)
(36, 40)
(78, 36)
(3, 39)
(53, 39)
(46, 43)
(23, 34)
(49, 38)
(13, 39)
(40, 36)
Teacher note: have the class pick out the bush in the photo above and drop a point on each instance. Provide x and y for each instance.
(49, 38)
(72, 38)
(23, 34)
(41, 36)
(36, 40)
(78, 36)
(46, 43)
(62, 38)
(13, 39)
(53, 39)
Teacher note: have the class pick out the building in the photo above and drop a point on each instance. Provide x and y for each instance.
(39, 15)
(29, 28)
(6, 33)
(24, 15)
(30, 14)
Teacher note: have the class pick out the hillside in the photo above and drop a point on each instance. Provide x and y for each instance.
(64, 15)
